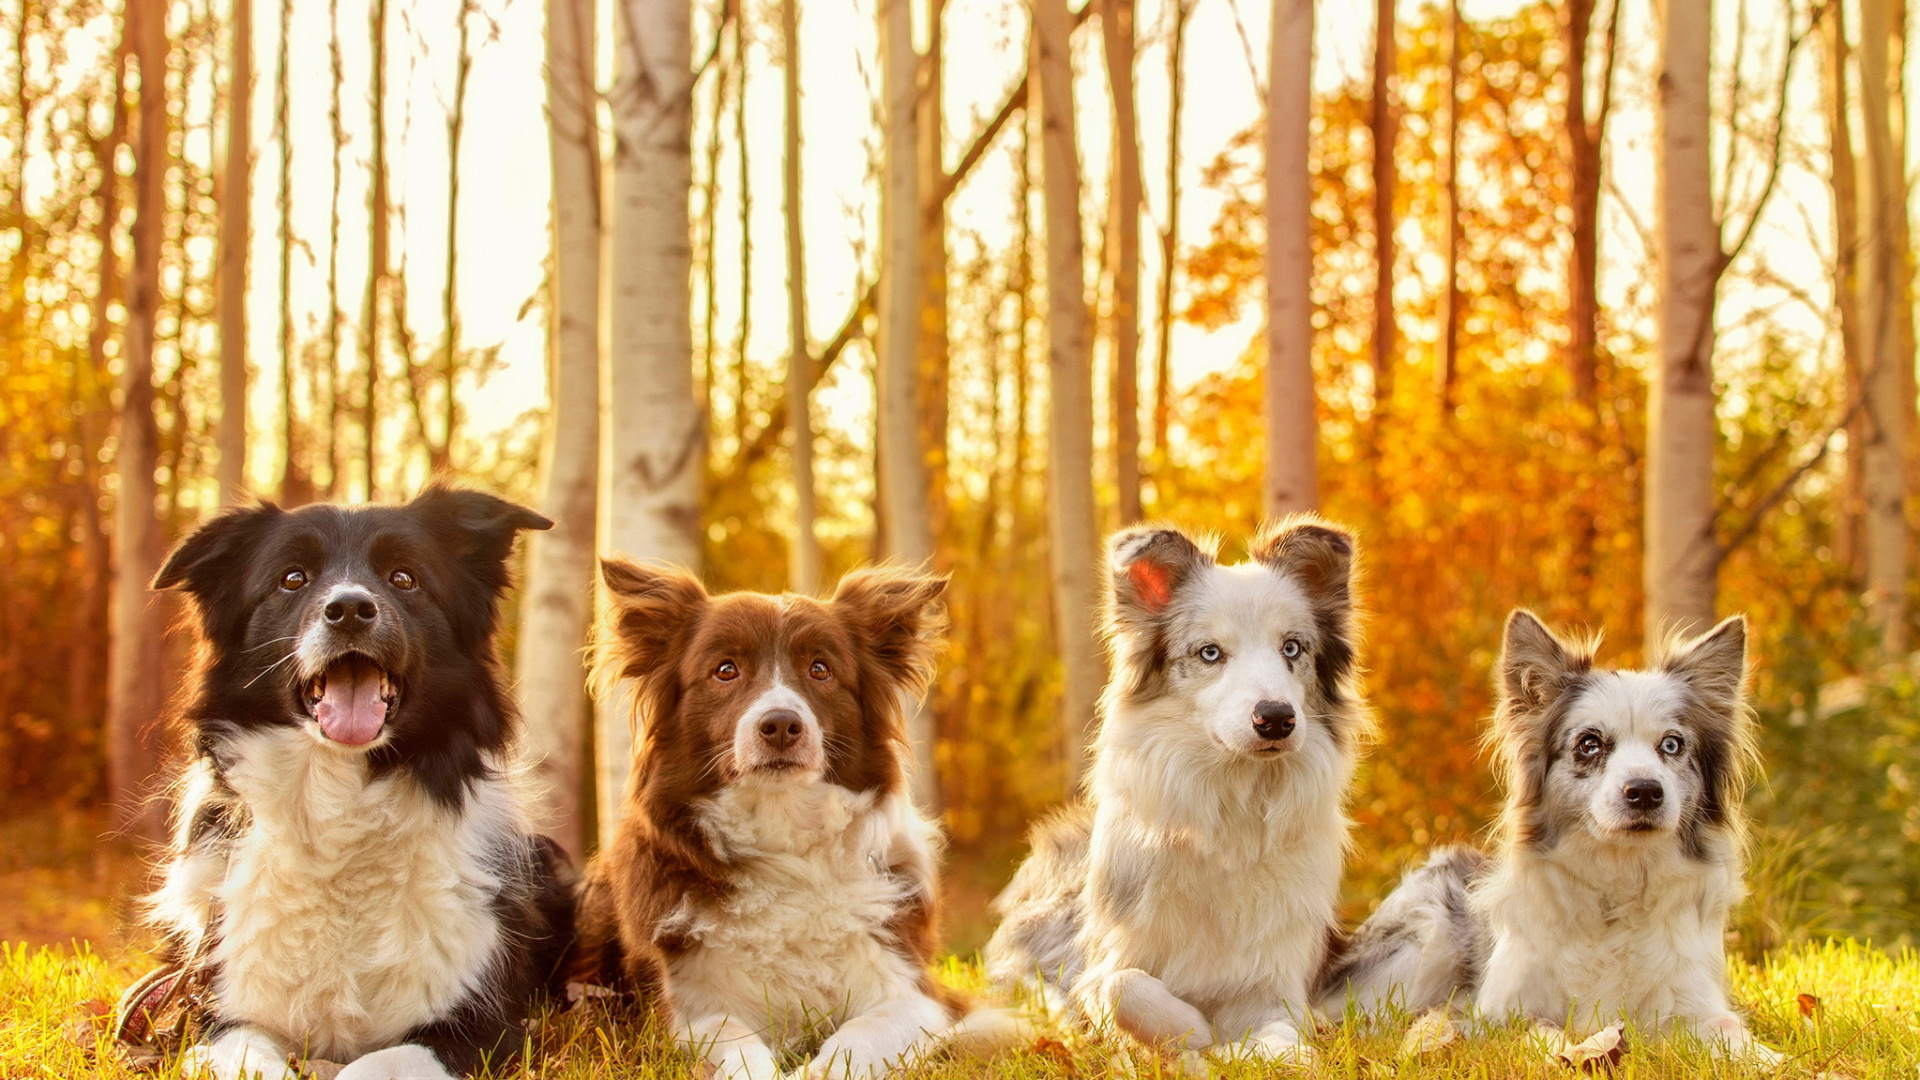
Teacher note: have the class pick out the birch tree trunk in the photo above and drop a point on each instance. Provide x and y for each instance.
(1292, 480)
(905, 528)
(1882, 309)
(440, 455)
(558, 606)
(1847, 239)
(1169, 232)
(296, 485)
(1583, 161)
(136, 679)
(1123, 258)
(803, 559)
(933, 349)
(1073, 543)
(1680, 558)
(652, 432)
(235, 233)
(377, 209)
(1386, 128)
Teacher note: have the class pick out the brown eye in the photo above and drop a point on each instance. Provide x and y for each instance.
(293, 580)
(820, 670)
(727, 671)
(403, 581)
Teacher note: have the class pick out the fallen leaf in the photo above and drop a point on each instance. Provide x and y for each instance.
(1055, 1051)
(1808, 1005)
(320, 1070)
(1602, 1049)
(93, 1009)
(1433, 1032)
(578, 992)
(140, 1058)
(83, 1033)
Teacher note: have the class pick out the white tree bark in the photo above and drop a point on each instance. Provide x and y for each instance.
(1292, 480)
(904, 524)
(652, 433)
(557, 609)
(136, 683)
(804, 556)
(1123, 256)
(1884, 482)
(1680, 559)
(235, 233)
(1074, 540)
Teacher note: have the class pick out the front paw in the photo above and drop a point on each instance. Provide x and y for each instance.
(1728, 1037)
(845, 1058)
(1145, 1008)
(240, 1054)
(407, 1061)
(1275, 1044)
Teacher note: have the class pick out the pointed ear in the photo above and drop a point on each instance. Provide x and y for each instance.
(653, 608)
(1715, 663)
(480, 527)
(899, 620)
(1535, 665)
(1316, 553)
(215, 551)
(1148, 566)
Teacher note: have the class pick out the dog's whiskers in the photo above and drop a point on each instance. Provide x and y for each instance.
(269, 668)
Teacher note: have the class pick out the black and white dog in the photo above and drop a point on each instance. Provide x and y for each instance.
(350, 872)
(1191, 900)
(1620, 854)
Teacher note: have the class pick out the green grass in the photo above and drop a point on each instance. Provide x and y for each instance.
(1866, 1026)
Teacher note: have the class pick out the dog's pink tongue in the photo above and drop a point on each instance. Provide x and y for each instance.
(351, 710)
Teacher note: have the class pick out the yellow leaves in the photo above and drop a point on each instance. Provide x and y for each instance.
(1433, 1032)
(1602, 1050)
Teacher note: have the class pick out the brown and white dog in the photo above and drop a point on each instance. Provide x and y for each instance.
(770, 879)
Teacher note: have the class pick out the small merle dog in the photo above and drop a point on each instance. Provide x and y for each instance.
(1621, 852)
(351, 875)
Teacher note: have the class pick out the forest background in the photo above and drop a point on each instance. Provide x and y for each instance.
(1599, 307)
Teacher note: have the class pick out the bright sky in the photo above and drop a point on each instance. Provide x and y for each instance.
(503, 221)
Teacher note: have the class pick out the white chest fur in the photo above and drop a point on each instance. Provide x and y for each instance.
(1585, 938)
(352, 911)
(801, 937)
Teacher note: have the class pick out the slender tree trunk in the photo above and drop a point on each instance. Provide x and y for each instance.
(1681, 558)
(1123, 254)
(336, 395)
(296, 485)
(1847, 242)
(1449, 372)
(1386, 129)
(653, 435)
(136, 679)
(1583, 160)
(440, 455)
(936, 358)
(235, 233)
(1292, 479)
(907, 532)
(803, 560)
(1072, 536)
(745, 334)
(558, 607)
(1882, 310)
(377, 259)
(1169, 233)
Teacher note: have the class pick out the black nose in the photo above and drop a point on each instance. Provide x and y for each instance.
(781, 728)
(351, 608)
(1273, 719)
(1645, 794)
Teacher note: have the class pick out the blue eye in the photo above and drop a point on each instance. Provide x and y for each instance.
(1210, 654)
(1290, 650)
(1671, 745)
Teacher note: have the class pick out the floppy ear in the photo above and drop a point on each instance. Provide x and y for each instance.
(1148, 566)
(1714, 664)
(653, 608)
(1318, 554)
(1535, 665)
(899, 621)
(213, 555)
(479, 527)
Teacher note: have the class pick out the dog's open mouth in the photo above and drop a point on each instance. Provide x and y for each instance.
(351, 700)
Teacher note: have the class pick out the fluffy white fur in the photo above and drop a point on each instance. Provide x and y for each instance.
(1193, 912)
(795, 946)
(1235, 860)
(1601, 903)
(345, 914)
